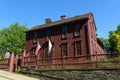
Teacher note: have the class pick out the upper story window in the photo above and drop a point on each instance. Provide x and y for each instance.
(48, 34)
(78, 48)
(64, 32)
(77, 30)
(65, 49)
(35, 37)
(34, 42)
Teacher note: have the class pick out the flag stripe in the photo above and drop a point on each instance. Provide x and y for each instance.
(37, 48)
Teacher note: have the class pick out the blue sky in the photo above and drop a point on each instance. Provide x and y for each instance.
(34, 12)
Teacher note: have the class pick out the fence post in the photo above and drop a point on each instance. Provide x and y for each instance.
(62, 61)
(23, 55)
(96, 60)
(16, 62)
(11, 62)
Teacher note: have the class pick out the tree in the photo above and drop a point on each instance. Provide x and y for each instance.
(13, 38)
(114, 39)
(105, 41)
(106, 44)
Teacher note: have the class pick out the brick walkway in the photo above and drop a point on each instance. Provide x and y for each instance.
(5, 75)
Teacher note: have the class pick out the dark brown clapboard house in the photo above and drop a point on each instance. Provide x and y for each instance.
(72, 41)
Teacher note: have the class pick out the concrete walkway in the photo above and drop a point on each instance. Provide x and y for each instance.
(13, 76)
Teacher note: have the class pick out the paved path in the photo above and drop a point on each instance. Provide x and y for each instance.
(5, 75)
(2, 78)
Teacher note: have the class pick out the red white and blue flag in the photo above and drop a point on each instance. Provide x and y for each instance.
(37, 48)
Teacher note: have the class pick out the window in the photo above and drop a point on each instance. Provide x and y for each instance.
(47, 55)
(35, 38)
(78, 48)
(34, 42)
(48, 35)
(64, 49)
(64, 32)
(35, 35)
(77, 30)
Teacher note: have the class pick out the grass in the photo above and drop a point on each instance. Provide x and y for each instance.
(110, 62)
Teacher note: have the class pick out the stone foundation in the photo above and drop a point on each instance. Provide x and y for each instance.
(98, 74)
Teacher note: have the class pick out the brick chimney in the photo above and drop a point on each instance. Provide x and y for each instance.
(48, 20)
(63, 17)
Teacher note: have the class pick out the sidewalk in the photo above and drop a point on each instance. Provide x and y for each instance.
(14, 76)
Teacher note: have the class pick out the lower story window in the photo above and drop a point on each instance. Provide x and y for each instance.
(78, 48)
(64, 49)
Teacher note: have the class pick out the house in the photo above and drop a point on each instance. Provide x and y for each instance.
(63, 43)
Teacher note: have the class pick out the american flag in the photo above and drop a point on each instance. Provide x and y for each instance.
(37, 48)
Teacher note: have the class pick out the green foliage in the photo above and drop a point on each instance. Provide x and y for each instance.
(2, 56)
(113, 43)
(13, 38)
(2, 53)
(106, 41)
(110, 61)
(114, 39)
(106, 44)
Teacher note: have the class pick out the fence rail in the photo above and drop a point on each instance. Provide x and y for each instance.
(76, 62)
(4, 63)
(30, 61)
